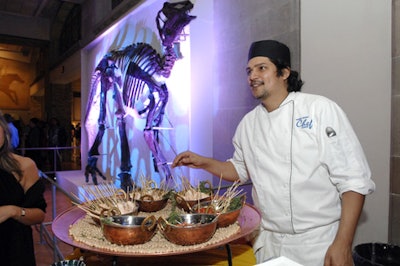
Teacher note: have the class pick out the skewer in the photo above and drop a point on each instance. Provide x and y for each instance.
(87, 210)
(102, 196)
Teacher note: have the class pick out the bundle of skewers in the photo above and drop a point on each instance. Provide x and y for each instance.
(227, 206)
(232, 199)
(189, 195)
(148, 189)
(106, 199)
(189, 192)
(149, 197)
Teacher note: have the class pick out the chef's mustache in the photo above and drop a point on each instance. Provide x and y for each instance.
(256, 83)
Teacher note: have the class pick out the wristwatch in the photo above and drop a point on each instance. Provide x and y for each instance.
(23, 212)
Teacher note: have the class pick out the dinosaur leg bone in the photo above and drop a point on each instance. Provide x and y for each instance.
(125, 176)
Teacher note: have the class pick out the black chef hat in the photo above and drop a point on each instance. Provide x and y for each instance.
(271, 49)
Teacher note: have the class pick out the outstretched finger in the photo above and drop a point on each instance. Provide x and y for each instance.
(177, 161)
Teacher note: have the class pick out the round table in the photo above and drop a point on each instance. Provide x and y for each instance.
(249, 219)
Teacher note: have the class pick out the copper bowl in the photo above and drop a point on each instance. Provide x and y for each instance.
(187, 205)
(225, 218)
(193, 229)
(97, 213)
(150, 200)
(148, 204)
(128, 229)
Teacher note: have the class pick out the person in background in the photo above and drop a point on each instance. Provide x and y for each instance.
(13, 131)
(22, 203)
(309, 172)
(57, 137)
(33, 141)
(78, 134)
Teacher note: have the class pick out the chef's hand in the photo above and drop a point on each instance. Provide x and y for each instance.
(338, 255)
(189, 159)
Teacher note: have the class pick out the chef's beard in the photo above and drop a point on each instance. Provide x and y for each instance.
(263, 96)
(259, 92)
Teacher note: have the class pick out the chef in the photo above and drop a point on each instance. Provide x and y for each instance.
(309, 172)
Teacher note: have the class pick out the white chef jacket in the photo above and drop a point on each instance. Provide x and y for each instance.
(299, 172)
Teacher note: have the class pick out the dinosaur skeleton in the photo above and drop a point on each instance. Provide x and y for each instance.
(127, 73)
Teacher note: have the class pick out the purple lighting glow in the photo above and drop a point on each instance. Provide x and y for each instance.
(124, 33)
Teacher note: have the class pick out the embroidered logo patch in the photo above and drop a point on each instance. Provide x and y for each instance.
(304, 122)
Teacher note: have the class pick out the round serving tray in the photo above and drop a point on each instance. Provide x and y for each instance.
(249, 219)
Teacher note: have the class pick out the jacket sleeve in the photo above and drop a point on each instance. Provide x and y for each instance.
(342, 153)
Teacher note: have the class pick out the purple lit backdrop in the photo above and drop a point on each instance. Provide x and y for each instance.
(140, 26)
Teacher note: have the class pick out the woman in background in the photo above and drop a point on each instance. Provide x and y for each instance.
(21, 203)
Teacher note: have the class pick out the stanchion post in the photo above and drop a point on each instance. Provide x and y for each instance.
(229, 251)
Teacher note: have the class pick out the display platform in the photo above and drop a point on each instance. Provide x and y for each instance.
(73, 182)
(248, 220)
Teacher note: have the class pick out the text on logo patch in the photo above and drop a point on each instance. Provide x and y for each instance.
(304, 122)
